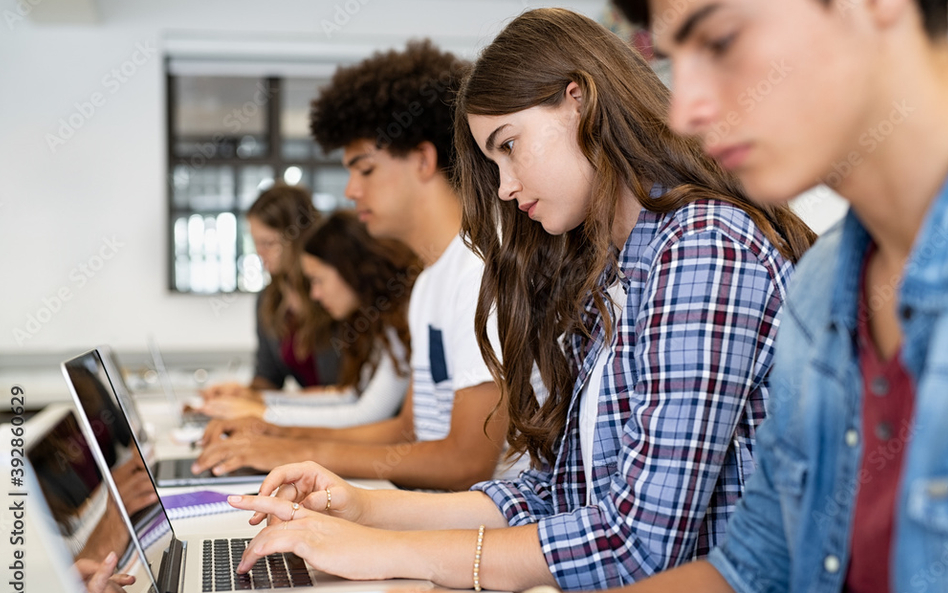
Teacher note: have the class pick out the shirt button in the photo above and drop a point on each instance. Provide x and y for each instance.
(879, 386)
(883, 431)
(831, 564)
(852, 437)
(938, 489)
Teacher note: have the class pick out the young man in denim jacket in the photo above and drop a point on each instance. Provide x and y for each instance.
(851, 492)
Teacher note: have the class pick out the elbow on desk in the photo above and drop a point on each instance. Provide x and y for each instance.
(456, 474)
(471, 474)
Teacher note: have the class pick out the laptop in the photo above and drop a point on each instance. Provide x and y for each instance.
(93, 389)
(209, 564)
(183, 413)
(77, 515)
(114, 371)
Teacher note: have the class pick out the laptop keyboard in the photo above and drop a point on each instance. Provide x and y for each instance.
(182, 467)
(276, 571)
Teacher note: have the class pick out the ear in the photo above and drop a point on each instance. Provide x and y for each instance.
(427, 160)
(886, 13)
(574, 95)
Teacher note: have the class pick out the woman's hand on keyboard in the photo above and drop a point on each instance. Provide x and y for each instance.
(231, 408)
(218, 428)
(327, 543)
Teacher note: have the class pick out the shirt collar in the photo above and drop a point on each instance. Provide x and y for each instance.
(925, 279)
(643, 233)
(925, 282)
(852, 249)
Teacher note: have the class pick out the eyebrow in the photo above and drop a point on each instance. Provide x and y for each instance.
(355, 160)
(688, 27)
(491, 143)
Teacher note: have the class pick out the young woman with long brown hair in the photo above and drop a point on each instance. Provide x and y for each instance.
(292, 333)
(633, 274)
(363, 283)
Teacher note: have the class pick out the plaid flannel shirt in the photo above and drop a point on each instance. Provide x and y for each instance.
(682, 394)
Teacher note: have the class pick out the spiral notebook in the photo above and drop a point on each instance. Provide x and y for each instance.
(195, 504)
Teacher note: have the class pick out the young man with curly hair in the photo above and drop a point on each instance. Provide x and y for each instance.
(851, 488)
(392, 116)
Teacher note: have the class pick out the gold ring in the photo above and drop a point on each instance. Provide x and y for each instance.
(296, 507)
(285, 524)
(328, 500)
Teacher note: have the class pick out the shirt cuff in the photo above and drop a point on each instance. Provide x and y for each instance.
(571, 548)
(510, 500)
(719, 559)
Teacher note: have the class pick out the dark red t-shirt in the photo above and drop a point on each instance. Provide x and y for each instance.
(888, 399)
(304, 369)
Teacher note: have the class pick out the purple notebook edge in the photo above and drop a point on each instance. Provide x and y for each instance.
(192, 499)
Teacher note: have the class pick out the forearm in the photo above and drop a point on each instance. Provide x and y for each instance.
(386, 432)
(262, 384)
(511, 558)
(694, 577)
(438, 465)
(407, 510)
(341, 408)
(316, 397)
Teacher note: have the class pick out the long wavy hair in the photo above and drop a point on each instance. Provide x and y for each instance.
(289, 210)
(381, 272)
(537, 283)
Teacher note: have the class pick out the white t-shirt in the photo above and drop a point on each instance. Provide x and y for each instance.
(589, 396)
(445, 357)
(382, 393)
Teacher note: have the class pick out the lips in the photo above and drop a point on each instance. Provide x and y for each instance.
(529, 207)
(731, 157)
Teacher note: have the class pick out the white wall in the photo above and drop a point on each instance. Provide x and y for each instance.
(59, 209)
(62, 209)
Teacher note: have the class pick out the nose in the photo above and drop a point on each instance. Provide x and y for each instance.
(266, 259)
(693, 106)
(509, 185)
(352, 190)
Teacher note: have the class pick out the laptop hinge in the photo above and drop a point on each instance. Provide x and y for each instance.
(172, 567)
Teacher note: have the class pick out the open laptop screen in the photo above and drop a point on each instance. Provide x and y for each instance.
(97, 401)
(81, 507)
(114, 372)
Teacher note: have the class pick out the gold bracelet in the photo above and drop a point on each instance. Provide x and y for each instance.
(477, 558)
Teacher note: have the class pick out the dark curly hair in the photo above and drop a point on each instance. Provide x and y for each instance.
(934, 14)
(398, 98)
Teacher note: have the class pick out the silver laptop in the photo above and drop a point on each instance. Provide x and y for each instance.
(93, 389)
(114, 371)
(179, 566)
(183, 415)
(77, 516)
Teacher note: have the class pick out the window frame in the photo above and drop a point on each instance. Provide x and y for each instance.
(274, 158)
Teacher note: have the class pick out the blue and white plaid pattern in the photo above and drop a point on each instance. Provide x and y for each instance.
(682, 395)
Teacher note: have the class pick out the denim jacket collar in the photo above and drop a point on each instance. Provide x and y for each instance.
(924, 284)
(852, 250)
